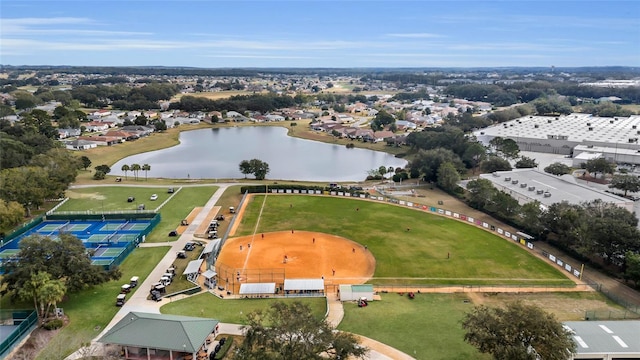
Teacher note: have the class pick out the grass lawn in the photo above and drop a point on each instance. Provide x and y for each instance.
(115, 198)
(427, 327)
(91, 310)
(418, 256)
(233, 311)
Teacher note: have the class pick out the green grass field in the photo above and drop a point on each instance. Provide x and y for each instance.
(233, 311)
(91, 310)
(418, 256)
(115, 198)
(427, 327)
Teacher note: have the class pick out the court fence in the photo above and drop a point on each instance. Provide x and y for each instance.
(26, 321)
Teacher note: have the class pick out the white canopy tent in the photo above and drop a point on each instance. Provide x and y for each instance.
(303, 287)
(257, 288)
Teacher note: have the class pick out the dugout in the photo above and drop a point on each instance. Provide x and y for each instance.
(193, 270)
(257, 289)
(303, 287)
(356, 292)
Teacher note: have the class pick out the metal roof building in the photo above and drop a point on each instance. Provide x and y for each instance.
(527, 185)
(559, 135)
(161, 335)
(606, 340)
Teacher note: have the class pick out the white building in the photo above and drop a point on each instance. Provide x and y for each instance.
(560, 135)
(605, 340)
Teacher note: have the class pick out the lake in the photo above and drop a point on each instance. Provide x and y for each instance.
(216, 154)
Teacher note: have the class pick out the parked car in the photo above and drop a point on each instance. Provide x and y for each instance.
(154, 197)
(220, 217)
(170, 190)
(182, 254)
(131, 199)
(173, 233)
(189, 246)
(156, 295)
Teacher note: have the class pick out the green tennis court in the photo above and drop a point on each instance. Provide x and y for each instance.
(7, 253)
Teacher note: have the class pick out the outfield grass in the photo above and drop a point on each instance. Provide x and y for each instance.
(234, 311)
(427, 327)
(89, 311)
(115, 198)
(418, 256)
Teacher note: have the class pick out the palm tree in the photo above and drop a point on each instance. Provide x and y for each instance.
(135, 168)
(146, 168)
(125, 168)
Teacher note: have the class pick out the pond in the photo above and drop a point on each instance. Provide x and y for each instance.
(216, 154)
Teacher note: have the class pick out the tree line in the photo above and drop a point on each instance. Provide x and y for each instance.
(239, 103)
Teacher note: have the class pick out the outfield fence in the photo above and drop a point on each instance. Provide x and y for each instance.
(509, 288)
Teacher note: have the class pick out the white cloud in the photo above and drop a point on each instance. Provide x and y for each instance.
(416, 35)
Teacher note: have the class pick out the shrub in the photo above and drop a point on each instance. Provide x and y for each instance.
(53, 324)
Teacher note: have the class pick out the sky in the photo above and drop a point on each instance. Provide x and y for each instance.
(326, 34)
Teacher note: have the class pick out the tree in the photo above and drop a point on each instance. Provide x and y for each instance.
(565, 220)
(600, 165)
(557, 169)
(104, 168)
(146, 168)
(99, 175)
(427, 162)
(480, 193)
(245, 168)
(526, 163)
(44, 291)
(507, 147)
(65, 258)
(136, 168)
(259, 168)
(27, 185)
(382, 170)
(11, 214)
(381, 120)
(160, 125)
(474, 154)
(610, 231)
(448, 177)
(86, 162)
(292, 332)
(517, 332)
(625, 183)
(632, 271)
(125, 168)
(494, 163)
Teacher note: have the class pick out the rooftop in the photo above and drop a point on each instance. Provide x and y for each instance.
(574, 127)
(549, 189)
(606, 337)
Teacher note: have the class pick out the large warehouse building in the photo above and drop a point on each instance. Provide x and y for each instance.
(617, 138)
(527, 185)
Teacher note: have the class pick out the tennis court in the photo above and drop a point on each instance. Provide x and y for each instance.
(107, 240)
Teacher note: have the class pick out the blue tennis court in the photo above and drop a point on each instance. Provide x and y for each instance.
(105, 240)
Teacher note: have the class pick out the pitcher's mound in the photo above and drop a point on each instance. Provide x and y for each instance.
(338, 260)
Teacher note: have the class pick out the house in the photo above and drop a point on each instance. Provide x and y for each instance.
(101, 140)
(382, 135)
(160, 337)
(139, 129)
(124, 135)
(80, 144)
(272, 117)
(96, 126)
(406, 125)
(65, 133)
